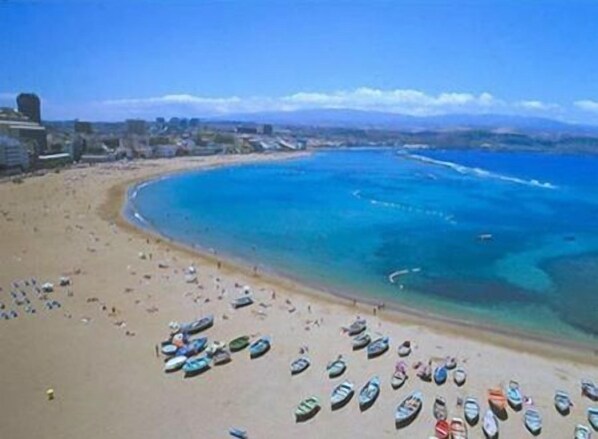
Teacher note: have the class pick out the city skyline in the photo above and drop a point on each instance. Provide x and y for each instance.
(110, 62)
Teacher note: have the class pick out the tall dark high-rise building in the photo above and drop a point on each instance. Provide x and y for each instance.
(29, 105)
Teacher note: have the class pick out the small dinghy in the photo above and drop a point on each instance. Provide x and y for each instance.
(471, 410)
(514, 396)
(450, 363)
(459, 376)
(589, 389)
(361, 341)
(399, 376)
(442, 429)
(238, 433)
(582, 432)
(424, 372)
(532, 421)
(169, 349)
(593, 417)
(408, 409)
(439, 409)
(357, 327)
(378, 347)
(369, 393)
(221, 356)
(405, 349)
(440, 375)
(490, 425)
(174, 363)
(259, 347)
(341, 395)
(198, 325)
(497, 399)
(193, 348)
(307, 409)
(336, 368)
(195, 366)
(458, 429)
(239, 343)
(299, 365)
(562, 402)
(214, 348)
(242, 301)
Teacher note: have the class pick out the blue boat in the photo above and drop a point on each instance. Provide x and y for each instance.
(514, 396)
(193, 348)
(196, 366)
(259, 347)
(440, 375)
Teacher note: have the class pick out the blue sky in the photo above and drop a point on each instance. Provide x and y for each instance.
(110, 60)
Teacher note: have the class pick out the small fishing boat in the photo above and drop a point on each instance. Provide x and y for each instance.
(458, 429)
(399, 376)
(582, 432)
(193, 348)
(378, 347)
(174, 363)
(450, 363)
(497, 399)
(532, 421)
(299, 365)
(562, 402)
(242, 301)
(424, 372)
(336, 368)
(490, 425)
(169, 349)
(307, 409)
(440, 375)
(589, 389)
(357, 327)
(405, 348)
(408, 409)
(214, 348)
(593, 417)
(442, 429)
(222, 356)
(341, 394)
(361, 341)
(514, 396)
(459, 376)
(439, 409)
(239, 343)
(238, 433)
(259, 347)
(195, 366)
(369, 393)
(471, 410)
(198, 325)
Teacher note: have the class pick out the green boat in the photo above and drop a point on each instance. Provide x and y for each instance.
(239, 343)
(307, 409)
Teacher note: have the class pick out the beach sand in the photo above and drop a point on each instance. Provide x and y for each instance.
(110, 384)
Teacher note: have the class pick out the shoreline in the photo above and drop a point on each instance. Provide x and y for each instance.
(114, 209)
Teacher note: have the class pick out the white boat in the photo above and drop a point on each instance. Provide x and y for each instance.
(408, 409)
(299, 365)
(471, 410)
(533, 421)
(459, 376)
(490, 425)
(582, 432)
(562, 402)
(341, 394)
(175, 363)
(369, 393)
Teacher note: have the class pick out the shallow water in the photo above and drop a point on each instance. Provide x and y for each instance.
(347, 219)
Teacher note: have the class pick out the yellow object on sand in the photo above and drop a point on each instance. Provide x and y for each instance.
(50, 393)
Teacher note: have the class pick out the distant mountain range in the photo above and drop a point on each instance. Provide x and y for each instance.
(347, 118)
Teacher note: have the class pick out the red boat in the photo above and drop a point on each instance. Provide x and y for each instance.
(442, 429)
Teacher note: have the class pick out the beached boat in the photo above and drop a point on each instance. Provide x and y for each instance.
(497, 399)
(408, 409)
(424, 372)
(195, 366)
(174, 363)
(514, 396)
(582, 432)
(242, 301)
(450, 363)
(238, 433)
(369, 393)
(214, 347)
(440, 375)
(458, 429)
(239, 343)
(341, 394)
(562, 402)
(193, 348)
(405, 349)
(439, 410)
(357, 327)
(361, 341)
(169, 349)
(259, 347)
(336, 368)
(399, 376)
(299, 365)
(490, 425)
(459, 376)
(198, 325)
(593, 417)
(442, 429)
(589, 389)
(307, 409)
(471, 410)
(532, 421)
(378, 347)
(221, 356)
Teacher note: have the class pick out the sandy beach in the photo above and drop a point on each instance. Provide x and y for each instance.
(98, 350)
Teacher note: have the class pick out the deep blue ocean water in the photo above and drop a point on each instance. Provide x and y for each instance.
(347, 219)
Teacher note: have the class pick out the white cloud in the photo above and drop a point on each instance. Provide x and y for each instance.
(535, 105)
(587, 105)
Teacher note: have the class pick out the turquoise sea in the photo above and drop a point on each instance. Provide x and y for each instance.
(346, 219)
